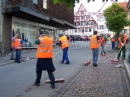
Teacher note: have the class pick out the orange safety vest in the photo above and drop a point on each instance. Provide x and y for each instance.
(125, 37)
(113, 40)
(94, 42)
(45, 48)
(64, 42)
(17, 44)
(102, 40)
(120, 41)
(13, 44)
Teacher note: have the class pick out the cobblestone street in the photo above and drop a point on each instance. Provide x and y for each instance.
(105, 80)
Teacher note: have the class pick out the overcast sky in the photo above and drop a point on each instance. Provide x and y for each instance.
(94, 6)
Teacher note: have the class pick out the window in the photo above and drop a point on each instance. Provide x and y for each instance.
(35, 1)
(89, 29)
(82, 17)
(101, 27)
(75, 30)
(86, 29)
(79, 30)
(45, 4)
(82, 12)
(86, 23)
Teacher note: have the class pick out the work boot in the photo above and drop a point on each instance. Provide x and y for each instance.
(53, 86)
(36, 84)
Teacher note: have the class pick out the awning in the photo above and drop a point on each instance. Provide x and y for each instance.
(25, 13)
(28, 14)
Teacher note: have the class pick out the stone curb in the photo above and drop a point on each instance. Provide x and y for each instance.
(6, 63)
(127, 69)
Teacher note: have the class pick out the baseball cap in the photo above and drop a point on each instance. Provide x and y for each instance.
(60, 35)
(42, 33)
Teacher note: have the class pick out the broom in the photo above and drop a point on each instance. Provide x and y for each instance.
(88, 62)
(56, 80)
(117, 54)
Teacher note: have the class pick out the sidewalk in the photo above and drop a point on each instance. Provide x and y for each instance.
(4, 60)
(105, 80)
(127, 65)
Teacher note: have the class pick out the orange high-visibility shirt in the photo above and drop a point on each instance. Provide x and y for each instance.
(64, 42)
(45, 48)
(94, 42)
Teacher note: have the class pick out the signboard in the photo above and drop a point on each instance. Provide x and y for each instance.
(95, 13)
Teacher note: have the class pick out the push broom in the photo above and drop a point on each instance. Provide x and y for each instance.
(114, 60)
(56, 80)
(88, 62)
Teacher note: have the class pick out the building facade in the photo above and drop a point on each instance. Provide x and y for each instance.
(28, 17)
(102, 28)
(85, 24)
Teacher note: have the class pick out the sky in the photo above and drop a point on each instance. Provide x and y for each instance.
(94, 6)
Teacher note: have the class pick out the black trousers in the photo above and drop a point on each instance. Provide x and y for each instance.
(50, 74)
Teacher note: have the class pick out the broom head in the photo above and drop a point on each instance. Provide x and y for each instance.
(103, 54)
(87, 63)
(56, 80)
(112, 60)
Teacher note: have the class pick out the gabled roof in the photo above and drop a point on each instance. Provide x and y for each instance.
(123, 4)
(81, 8)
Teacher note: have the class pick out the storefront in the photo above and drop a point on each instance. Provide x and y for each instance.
(29, 31)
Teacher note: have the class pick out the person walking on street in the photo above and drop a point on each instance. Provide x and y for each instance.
(113, 42)
(13, 47)
(18, 43)
(94, 46)
(122, 46)
(102, 43)
(64, 45)
(44, 56)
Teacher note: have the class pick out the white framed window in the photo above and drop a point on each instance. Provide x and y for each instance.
(35, 1)
(45, 4)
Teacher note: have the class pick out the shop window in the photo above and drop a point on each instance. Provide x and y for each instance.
(89, 29)
(35, 1)
(45, 4)
(75, 30)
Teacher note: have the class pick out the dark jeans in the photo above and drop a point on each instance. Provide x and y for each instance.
(113, 45)
(18, 55)
(50, 74)
(123, 50)
(12, 53)
(65, 55)
(95, 55)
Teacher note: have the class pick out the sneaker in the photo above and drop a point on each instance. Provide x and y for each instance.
(53, 86)
(95, 65)
(36, 84)
(61, 62)
(119, 65)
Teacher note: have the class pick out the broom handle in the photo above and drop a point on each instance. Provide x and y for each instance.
(120, 49)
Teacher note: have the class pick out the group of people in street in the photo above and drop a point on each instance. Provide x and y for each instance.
(44, 53)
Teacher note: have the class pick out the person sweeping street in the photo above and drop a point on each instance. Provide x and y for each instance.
(94, 46)
(64, 45)
(113, 42)
(44, 56)
(102, 43)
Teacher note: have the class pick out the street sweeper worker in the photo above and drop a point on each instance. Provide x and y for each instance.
(113, 42)
(64, 45)
(44, 56)
(121, 45)
(102, 44)
(94, 46)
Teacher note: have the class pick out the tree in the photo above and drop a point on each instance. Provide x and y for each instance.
(116, 18)
(71, 3)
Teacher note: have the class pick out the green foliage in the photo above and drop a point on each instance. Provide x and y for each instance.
(116, 18)
(71, 3)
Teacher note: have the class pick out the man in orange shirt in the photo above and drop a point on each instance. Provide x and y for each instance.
(64, 45)
(44, 56)
(94, 46)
